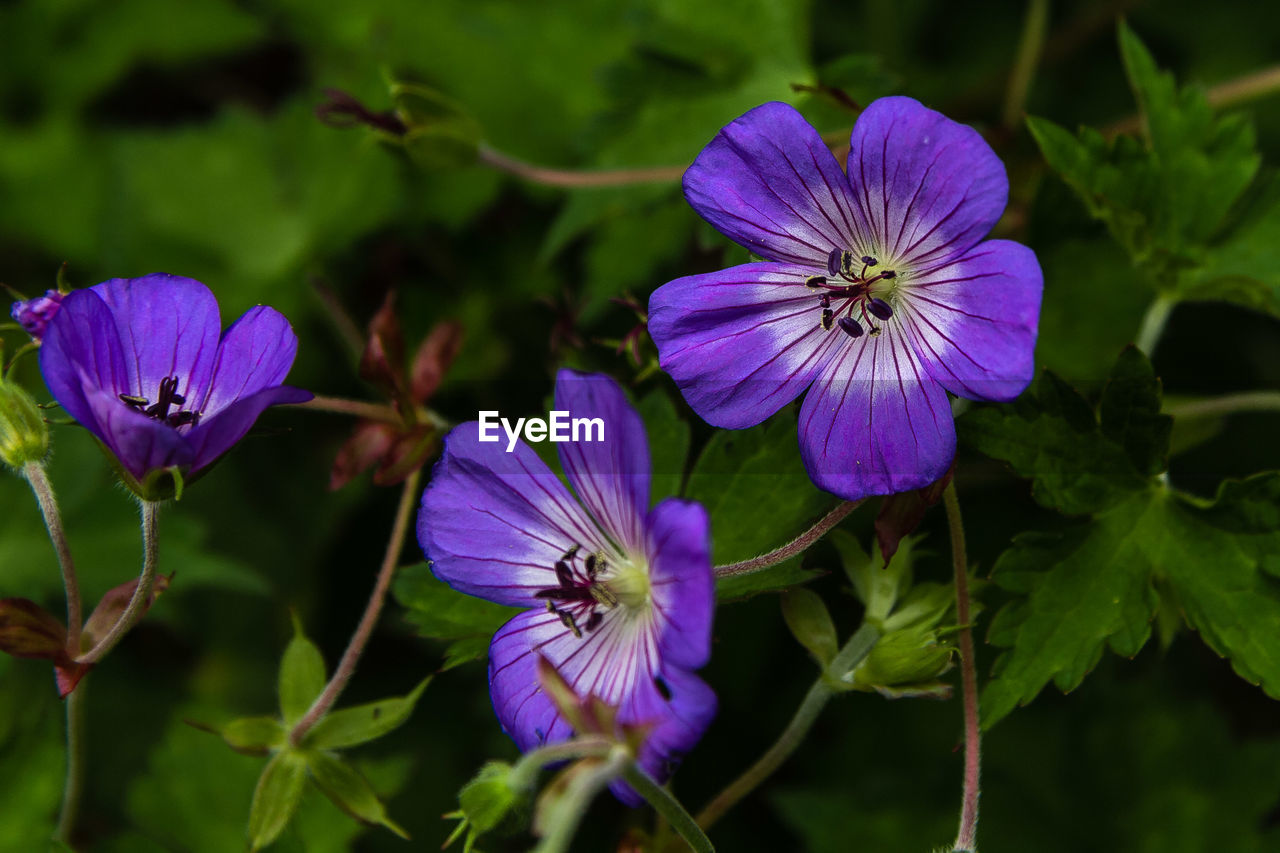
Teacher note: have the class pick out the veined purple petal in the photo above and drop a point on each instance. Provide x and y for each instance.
(876, 423)
(679, 719)
(682, 581)
(168, 326)
(215, 435)
(742, 342)
(973, 320)
(525, 711)
(493, 524)
(139, 442)
(611, 477)
(768, 182)
(81, 350)
(925, 188)
(256, 352)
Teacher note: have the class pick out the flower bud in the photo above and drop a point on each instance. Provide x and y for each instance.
(24, 436)
(34, 314)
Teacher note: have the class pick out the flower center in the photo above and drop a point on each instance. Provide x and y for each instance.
(159, 410)
(589, 585)
(856, 286)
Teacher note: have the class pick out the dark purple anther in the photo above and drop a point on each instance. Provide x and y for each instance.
(833, 263)
(827, 316)
(888, 274)
(869, 261)
(880, 309)
(815, 280)
(33, 315)
(850, 327)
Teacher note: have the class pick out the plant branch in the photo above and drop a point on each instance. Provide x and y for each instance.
(796, 546)
(966, 838)
(667, 806)
(853, 653)
(1030, 46)
(1249, 401)
(141, 594)
(359, 639)
(74, 785)
(1240, 90)
(526, 770)
(43, 489)
(576, 179)
(582, 790)
(357, 408)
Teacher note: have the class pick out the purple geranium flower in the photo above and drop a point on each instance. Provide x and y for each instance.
(876, 291)
(143, 364)
(33, 315)
(620, 595)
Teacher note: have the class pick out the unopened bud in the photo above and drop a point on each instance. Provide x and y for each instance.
(34, 314)
(24, 436)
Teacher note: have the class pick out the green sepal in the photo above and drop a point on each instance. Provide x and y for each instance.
(905, 662)
(24, 436)
(302, 675)
(811, 624)
(254, 735)
(348, 790)
(276, 798)
(878, 586)
(489, 797)
(439, 132)
(363, 723)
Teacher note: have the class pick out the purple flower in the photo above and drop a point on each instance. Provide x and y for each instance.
(876, 291)
(33, 315)
(620, 595)
(143, 364)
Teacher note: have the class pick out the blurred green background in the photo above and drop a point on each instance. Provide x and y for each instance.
(149, 135)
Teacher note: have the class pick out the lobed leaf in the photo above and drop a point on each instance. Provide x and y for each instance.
(439, 612)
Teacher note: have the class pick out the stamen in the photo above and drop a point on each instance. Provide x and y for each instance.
(135, 403)
(827, 316)
(569, 622)
(563, 574)
(846, 264)
(887, 274)
(880, 309)
(869, 261)
(601, 593)
(593, 621)
(815, 281)
(825, 300)
(833, 263)
(850, 327)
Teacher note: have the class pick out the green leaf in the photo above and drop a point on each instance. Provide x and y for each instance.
(1244, 265)
(352, 726)
(1096, 585)
(254, 735)
(348, 790)
(439, 612)
(759, 497)
(302, 675)
(276, 798)
(810, 623)
(1076, 464)
(668, 443)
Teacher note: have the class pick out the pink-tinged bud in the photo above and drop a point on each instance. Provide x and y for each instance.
(433, 359)
(34, 314)
(29, 631)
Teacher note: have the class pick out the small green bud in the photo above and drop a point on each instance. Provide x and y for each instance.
(489, 797)
(904, 662)
(809, 621)
(24, 436)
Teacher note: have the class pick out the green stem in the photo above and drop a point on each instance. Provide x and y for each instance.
(570, 810)
(1153, 323)
(1250, 401)
(525, 772)
(75, 766)
(359, 639)
(796, 546)
(575, 179)
(357, 408)
(669, 807)
(1030, 46)
(853, 653)
(966, 838)
(43, 490)
(141, 595)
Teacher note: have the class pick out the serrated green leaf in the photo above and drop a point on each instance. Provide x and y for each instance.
(810, 623)
(1129, 413)
(276, 798)
(302, 675)
(759, 497)
(254, 735)
(1244, 265)
(348, 790)
(352, 726)
(441, 613)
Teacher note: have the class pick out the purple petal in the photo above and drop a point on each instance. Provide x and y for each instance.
(256, 352)
(493, 524)
(925, 188)
(682, 581)
(973, 320)
(215, 435)
(168, 326)
(523, 709)
(678, 723)
(611, 477)
(81, 350)
(743, 342)
(876, 423)
(768, 182)
(142, 444)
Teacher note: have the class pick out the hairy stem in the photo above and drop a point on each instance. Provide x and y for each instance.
(1030, 46)
(575, 179)
(575, 801)
(357, 408)
(74, 784)
(796, 546)
(853, 653)
(669, 807)
(1153, 323)
(526, 770)
(967, 836)
(1239, 90)
(43, 489)
(138, 603)
(1250, 401)
(359, 639)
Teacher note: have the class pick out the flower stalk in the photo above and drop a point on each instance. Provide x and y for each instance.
(347, 666)
(669, 807)
(35, 474)
(796, 546)
(138, 604)
(847, 660)
(1251, 401)
(967, 836)
(584, 788)
(74, 785)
